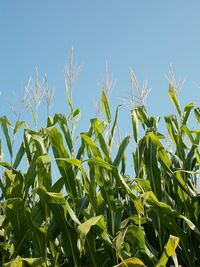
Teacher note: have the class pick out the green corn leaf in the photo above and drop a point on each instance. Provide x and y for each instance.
(1, 151)
(18, 125)
(68, 234)
(19, 156)
(112, 132)
(197, 114)
(74, 114)
(31, 174)
(17, 262)
(169, 250)
(85, 227)
(58, 199)
(188, 108)
(6, 165)
(134, 120)
(78, 164)
(161, 151)
(121, 151)
(16, 214)
(39, 143)
(123, 164)
(4, 125)
(64, 167)
(38, 236)
(119, 239)
(62, 121)
(188, 133)
(135, 237)
(50, 197)
(44, 171)
(57, 187)
(57, 205)
(168, 217)
(82, 147)
(100, 162)
(122, 181)
(178, 178)
(92, 145)
(32, 114)
(72, 213)
(74, 161)
(69, 100)
(105, 105)
(173, 128)
(75, 123)
(142, 116)
(152, 169)
(34, 262)
(192, 226)
(173, 97)
(138, 157)
(175, 134)
(143, 184)
(131, 262)
(27, 146)
(97, 128)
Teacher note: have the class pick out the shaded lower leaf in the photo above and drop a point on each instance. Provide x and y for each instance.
(22, 262)
(85, 227)
(131, 262)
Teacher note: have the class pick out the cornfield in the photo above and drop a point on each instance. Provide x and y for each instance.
(90, 212)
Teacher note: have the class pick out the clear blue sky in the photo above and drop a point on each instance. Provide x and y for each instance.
(145, 35)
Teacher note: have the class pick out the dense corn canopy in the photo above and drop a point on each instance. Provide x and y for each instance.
(93, 213)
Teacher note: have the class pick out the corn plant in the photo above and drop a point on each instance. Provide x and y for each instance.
(90, 211)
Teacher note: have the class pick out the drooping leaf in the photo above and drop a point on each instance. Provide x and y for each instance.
(91, 144)
(18, 125)
(85, 227)
(188, 108)
(141, 114)
(100, 162)
(163, 156)
(169, 250)
(20, 262)
(131, 262)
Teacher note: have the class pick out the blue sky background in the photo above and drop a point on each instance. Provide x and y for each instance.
(145, 35)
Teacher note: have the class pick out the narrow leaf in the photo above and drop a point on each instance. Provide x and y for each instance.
(4, 125)
(134, 120)
(105, 105)
(173, 98)
(121, 151)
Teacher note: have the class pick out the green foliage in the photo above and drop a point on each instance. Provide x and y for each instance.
(89, 212)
